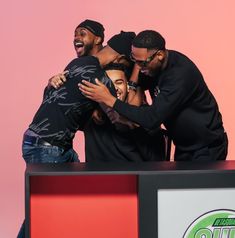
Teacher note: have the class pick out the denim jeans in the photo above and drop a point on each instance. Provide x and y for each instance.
(48, 154)
(45, 154)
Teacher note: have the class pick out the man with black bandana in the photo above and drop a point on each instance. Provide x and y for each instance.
(88, 40)
(181, 100)
(63, 111)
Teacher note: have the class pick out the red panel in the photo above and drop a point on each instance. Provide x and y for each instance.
(100, 206)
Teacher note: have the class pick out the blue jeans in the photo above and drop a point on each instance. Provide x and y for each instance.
(45, 154)
(48, 154)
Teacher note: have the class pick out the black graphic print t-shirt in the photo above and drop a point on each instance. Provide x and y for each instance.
(65, 110)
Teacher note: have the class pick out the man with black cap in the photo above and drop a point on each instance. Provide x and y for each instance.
(63, 111)
(88, 37)
(88, 40)
(181, 100)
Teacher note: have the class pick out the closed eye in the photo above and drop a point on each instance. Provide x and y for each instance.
(119, 81)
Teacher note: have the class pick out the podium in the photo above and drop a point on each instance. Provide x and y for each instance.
(130, 200)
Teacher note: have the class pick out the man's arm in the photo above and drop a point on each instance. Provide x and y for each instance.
(146, 116)
(136, 94)
(172, 97)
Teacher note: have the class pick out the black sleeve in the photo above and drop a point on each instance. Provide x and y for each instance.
(84, 68)
(173, 95)
(88, 68)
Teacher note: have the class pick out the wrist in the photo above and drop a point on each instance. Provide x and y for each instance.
(110, 101)
(133, 85)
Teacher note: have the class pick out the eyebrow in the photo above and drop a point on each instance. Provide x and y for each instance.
(80, 30)
(119, 79)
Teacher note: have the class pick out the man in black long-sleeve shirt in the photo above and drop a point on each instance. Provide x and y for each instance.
(181, 100)
(65, 110)
(104, 142)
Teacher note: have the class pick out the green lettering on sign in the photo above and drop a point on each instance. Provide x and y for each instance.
(204, 233)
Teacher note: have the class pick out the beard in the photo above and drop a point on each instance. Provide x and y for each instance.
(155, 72)
(87, 49)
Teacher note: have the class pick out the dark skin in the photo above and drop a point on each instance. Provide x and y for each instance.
(85, 43)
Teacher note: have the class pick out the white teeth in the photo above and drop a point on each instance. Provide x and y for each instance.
(79, 44)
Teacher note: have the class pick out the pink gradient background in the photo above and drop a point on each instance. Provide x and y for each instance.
(36, 42)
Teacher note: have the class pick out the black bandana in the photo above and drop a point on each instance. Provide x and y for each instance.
(94, 27)
(122, 42)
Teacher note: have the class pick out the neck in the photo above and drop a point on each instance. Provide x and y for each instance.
(164, 64)
(106, 56)
(96, 49)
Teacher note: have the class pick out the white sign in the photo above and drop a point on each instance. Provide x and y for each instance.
(196, 213)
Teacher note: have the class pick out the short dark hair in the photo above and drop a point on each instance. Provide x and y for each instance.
(149, 39)
(121, 67)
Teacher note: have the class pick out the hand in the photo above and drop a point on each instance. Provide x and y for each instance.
(97, 117)
(119, 120)
(113, 116)
(57, 80)
(97, 92)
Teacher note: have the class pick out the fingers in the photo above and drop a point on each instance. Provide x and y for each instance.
(87, 88)
(88, 84)
(58, 80)
(92, 85)
(63, 75)
(98, 82)
(113, 116)
(86, 91)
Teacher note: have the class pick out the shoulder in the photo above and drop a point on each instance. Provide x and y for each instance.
(85, 67)
(180, 66)
(88, 61)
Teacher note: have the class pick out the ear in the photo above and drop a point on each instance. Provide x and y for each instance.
(161, 55)
(128, 88)
(98, 40)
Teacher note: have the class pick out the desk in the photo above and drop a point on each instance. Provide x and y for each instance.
(129, 200)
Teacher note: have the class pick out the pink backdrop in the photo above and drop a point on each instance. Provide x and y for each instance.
(36, 42)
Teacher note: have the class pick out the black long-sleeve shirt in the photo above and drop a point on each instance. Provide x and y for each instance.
(182, 102)
(65, 110)
(106, 143)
